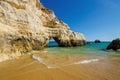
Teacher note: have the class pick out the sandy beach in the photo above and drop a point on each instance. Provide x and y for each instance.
(59, 40)
(27, 68)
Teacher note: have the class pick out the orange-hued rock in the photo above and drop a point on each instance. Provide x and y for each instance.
(27, 25)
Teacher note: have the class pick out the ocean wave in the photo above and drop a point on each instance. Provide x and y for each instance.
(86, 61)
(51, 67)
(41, 60)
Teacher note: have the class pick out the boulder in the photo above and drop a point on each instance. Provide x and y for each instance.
(97, 41)
(114, 45)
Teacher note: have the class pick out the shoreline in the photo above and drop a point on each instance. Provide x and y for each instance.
(26, 67)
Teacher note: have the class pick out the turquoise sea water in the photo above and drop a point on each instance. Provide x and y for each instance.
(91, 49)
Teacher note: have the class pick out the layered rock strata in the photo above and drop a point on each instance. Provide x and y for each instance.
(27, 25)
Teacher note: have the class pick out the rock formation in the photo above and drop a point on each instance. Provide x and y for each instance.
(114, 45)
(27, 25)
(97, 41)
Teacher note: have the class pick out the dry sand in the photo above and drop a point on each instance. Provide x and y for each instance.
(26, 68)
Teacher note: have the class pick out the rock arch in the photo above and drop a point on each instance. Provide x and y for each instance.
(27, 25)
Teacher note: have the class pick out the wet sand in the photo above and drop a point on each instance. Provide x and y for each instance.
(26, 68)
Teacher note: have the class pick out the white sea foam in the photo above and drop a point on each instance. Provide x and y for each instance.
(41, 60)
(38, 59)
(86, 61)
(50, 67)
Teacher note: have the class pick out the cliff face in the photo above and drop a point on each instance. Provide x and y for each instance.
(27, 25)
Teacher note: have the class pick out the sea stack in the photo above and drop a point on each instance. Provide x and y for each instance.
(97, 41)
(27, 25)
(114, 45)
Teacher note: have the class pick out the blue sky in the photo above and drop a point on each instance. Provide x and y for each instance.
(96, 19)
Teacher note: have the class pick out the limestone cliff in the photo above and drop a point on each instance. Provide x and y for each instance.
(27, 25)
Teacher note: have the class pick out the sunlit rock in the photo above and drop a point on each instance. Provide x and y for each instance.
(27, 25)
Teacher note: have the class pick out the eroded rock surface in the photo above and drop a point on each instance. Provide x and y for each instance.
(27, 25)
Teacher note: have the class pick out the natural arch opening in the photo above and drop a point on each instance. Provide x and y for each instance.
(52, 43)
